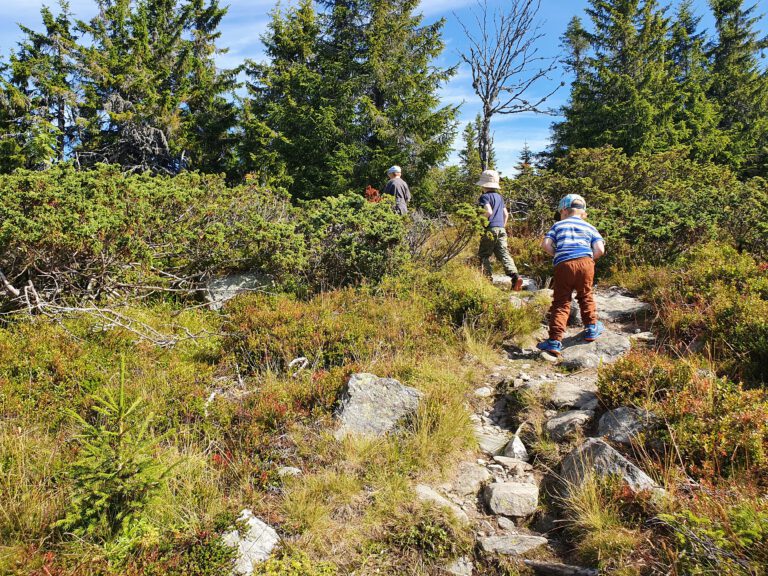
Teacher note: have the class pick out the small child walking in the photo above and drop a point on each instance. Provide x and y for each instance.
(575, 245)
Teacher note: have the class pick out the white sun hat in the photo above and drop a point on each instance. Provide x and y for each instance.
(489, 179)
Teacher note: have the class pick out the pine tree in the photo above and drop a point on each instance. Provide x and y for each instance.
(739, 85)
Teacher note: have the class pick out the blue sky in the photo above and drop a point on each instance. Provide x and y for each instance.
(247, 19)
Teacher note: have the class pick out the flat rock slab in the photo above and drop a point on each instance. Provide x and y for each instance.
(612, 306)
(516, 499)
(578, 354)
(221, 290)
(575, 392)
(512, 544)
(254, 545)
(373, 406)
(623, 424)
(568, 423)
(596, 457)
(491, 439)
(470, 477)
(515, 466)
(427, 494)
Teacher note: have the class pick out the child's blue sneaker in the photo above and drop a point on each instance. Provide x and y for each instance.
(593, 331)
(551, 346)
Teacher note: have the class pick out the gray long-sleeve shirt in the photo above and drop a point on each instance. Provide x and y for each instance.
(399, 189)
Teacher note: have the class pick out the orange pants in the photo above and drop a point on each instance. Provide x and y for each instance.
(579, 275)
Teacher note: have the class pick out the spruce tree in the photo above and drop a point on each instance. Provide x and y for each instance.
(44, 73)
(347, 93)
(149, 83)
(623, 93)
(696, 116)
(739, 85)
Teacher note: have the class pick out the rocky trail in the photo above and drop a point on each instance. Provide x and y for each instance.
(500, 488)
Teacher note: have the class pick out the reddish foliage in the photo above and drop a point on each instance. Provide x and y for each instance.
(372, 194)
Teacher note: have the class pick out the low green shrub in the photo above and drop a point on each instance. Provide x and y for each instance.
(718, 535)
(91, 232)
(294, 563)
(351, 240)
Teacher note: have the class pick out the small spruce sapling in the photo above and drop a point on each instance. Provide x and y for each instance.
(116, 474)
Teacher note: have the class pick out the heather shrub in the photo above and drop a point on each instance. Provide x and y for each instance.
(430, 532)
(642, 378)
(330, 330)
(714, 299)
(463, 297)
(716, 428)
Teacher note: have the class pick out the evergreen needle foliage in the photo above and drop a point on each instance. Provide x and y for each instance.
(116, 472)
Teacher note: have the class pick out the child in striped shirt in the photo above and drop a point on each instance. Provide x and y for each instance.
(575, 245)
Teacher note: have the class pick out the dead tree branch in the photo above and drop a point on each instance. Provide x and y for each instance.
(505, 63)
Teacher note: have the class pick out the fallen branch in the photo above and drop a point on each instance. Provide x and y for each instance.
(8, 286)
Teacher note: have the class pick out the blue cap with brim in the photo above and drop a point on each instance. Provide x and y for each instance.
(572, 201)
(394, 170)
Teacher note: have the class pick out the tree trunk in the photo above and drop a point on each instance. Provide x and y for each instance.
(484, 140)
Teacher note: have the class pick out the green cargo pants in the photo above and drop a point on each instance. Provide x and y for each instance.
(494, 242)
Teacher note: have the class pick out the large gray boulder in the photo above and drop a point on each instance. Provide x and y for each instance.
(623, 424)
(579, 354)
(516, 499)
(373, 406)
(568, 423)
(511, 544)
(254, 544)
(220, 290)
(596, 458)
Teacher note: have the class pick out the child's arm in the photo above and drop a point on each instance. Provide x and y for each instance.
(548, 246)
(598, 249)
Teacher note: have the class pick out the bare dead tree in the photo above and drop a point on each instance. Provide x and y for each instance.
(505, 63)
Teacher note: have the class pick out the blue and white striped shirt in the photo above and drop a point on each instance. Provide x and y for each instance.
(573, 238)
